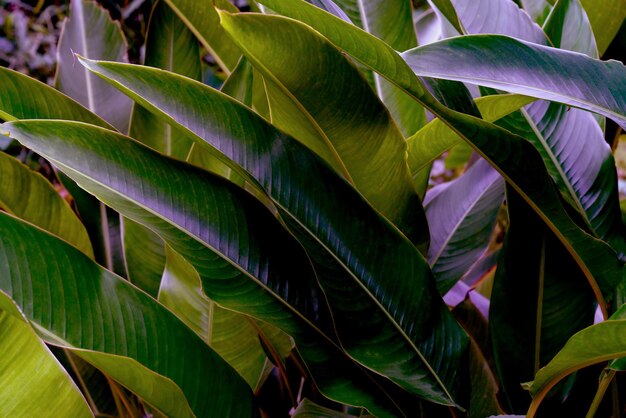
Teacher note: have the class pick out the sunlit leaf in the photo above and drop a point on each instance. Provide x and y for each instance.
(124, 332)
(29, 196)
(32, 379)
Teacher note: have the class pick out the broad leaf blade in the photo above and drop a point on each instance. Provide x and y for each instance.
(436, 137)
(244, 256)
(47, 277)
(566, 138)
(539, 299)
(605, 21)
(90, 32)
(26, 98)
(497, 16)
(496, 145)
(169, 45)
(568, 28)
(358, 126)
(595, 344)
(29, 196)
(232, 335)
(392, 22)
(461, 215)
(201, 18)
(520, 67)
(32, 379)
(351, 270)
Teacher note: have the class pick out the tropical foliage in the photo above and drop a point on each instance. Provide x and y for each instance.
(371, 207)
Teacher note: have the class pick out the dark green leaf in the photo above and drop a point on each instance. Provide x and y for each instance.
(379, 304)
(245, 258)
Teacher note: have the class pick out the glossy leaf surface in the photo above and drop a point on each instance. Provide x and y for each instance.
(201, 18)
(519, 67)
(539, 299)
(27, 98)
(605, 21)
(233, 336)
(349, 115)
(322, 194)
(45, 277)
(248, 272)
(496, 145)
(595, 344)
(436, 137)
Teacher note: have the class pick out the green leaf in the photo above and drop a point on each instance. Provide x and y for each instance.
(404, 310)
(144, 252)
(392, 22)
(201, 18)
(436, 137)
(77, 304)
(170, 46)
(341, 105)
(605, 20)
(26, 98)
(32, 379)
(595, 344)
(533, 70)
(580, 162)
(308, 409)
(244, 256)
(233, 336)
(503, 150)
(539, 300)
(461, 215)
(447, 9)
(568, 28)
(90, 32)
(29, 196)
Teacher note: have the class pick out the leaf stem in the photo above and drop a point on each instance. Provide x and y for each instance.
(605, 381)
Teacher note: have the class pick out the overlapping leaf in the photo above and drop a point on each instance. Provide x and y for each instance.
(461, 215)
(511, 155)
(539, 299)
(29, 196)
(520, 67)
(330, 93)
(605, 21)
(233, 336)
(392, 22)
(201, 18)
(246, 260)
(327, 214)
(595, 344)
(77, 304)
(32, 379)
